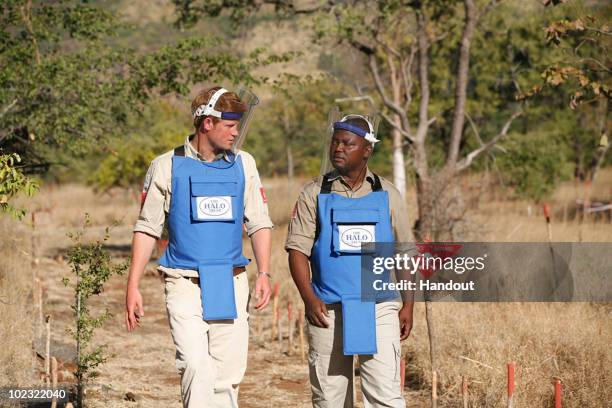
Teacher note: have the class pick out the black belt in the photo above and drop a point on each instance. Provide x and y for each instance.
(237, 271)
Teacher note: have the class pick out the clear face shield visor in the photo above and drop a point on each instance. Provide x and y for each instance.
(249, 99)
(337, 120)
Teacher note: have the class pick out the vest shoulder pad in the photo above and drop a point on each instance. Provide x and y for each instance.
(179, 151)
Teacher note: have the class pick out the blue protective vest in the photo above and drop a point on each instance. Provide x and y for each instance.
(336, 260)
(205, 228)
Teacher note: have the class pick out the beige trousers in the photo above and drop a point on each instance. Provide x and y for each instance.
(211, 356)
(331, 372)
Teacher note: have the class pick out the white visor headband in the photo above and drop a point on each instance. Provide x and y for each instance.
(208, 109)
(342, 125)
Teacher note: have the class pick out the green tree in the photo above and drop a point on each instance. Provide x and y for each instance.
(582, 70)
(65, 88)
(534, 163)
(92, 266)
(12, 182)
(156, 131)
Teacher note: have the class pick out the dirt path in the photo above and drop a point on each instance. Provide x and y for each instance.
(143, 362)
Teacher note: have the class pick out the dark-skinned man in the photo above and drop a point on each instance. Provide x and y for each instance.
(333, 216)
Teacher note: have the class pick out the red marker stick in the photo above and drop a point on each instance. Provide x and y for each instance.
(557, 393)
(510, 383)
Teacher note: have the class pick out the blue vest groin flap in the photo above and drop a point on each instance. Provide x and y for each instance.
(217, 291)
(358, 326)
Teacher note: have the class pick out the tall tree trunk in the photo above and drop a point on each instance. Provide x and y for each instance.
(399, 168)
(604, 142)
(423, 228)
(461, 84)
(290, 165)
(288, 149)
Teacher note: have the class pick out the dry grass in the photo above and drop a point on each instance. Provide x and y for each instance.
(17, 321)
(569, 341)
(65, 206)
(282, 195)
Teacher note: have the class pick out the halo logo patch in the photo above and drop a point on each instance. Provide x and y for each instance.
(214, 208)
(352, 236)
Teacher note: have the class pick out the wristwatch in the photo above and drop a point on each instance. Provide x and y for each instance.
(264, 273)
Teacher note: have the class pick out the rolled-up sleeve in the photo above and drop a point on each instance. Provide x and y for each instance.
(256, 214)
(303, 223)
(154, 199)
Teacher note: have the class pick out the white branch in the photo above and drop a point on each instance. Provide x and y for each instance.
(467, 161)
(406, 70)
(8, 107)
(381, 88)
(395, 126)
(383, 94)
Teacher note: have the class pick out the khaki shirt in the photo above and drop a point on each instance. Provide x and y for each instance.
(157, 193)
(303, 222)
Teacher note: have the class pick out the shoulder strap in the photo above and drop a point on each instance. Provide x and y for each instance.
(326, 184)
(377, 185)
(179, 151)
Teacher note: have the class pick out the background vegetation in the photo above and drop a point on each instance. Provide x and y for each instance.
(94, 91)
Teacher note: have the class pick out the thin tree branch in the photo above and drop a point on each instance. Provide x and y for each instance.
(5, 134)
(604, 143)
(390, 49)
(597, 62)
(26, 16)
(488, 8)
(8, 107)
(423, 46)
(381, 88)
(366, 49)
(474, 128)
(597, 30)
(420, 152)
(598, 159)
(388, 102)
(461, 83)
(469, 159)
(395, 126)
(406, 70)
(477, 134)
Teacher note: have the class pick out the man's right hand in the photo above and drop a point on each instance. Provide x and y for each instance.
(133, 308)
(316, 311)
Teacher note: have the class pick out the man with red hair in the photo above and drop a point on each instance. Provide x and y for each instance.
(206, 190)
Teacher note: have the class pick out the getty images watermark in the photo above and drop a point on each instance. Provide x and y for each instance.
(488, 272)
(426, 263)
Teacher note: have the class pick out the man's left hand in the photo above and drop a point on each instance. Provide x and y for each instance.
(405, 321)
(263, 291)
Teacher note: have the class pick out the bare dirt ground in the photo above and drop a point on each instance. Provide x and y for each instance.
(142, 363)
